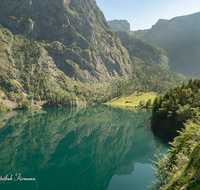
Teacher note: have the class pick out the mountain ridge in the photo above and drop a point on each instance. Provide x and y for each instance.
(180, 38)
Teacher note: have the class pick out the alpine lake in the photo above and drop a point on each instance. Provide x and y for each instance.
(77, 148)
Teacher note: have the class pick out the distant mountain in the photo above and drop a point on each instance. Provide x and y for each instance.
(180, 38)
(117, 25)
(137, 47)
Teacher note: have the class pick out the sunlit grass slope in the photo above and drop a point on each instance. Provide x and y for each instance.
(136, 97)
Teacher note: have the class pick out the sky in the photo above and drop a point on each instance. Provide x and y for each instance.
(142, 14)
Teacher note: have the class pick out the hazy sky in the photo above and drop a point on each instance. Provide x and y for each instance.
(142, 14)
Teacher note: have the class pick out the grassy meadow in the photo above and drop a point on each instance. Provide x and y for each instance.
(136, 97)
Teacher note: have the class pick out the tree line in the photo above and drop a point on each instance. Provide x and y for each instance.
(171, 110)
(176, 118)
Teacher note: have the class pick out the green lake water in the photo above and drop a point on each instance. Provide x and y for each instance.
(88, 148)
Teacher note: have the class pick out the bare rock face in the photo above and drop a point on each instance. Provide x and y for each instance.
(117, 25)
(82, 44)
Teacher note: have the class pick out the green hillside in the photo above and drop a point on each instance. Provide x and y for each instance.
(28, 73)
(177, 114)
(68, 63)
(172, 110)
(143, 50)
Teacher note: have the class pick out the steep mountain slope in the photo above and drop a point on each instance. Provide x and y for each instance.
(180, 38)
(143, 50)
(88, 50)
(64, 51)
(29, 72)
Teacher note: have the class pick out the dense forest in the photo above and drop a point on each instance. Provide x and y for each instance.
(176, 118)
(172, 110)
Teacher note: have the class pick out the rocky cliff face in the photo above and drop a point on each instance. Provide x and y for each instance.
(180, 37)
(117, 25)
(85, 47)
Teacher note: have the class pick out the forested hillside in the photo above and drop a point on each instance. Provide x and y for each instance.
(143, 50)
(149, 63)
(73, 64)
(29, 74)
(177, 114)
(172, 110)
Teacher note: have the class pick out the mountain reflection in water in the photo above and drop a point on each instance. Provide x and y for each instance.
(71, 148)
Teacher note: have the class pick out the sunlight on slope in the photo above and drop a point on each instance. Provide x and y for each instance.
(136, 97)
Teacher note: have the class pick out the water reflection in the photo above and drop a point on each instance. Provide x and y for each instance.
(72, 148)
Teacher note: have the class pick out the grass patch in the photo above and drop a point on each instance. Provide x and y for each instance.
(136, 97)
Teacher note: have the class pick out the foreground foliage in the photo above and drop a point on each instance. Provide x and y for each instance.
(181, 166)
(177, 114)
